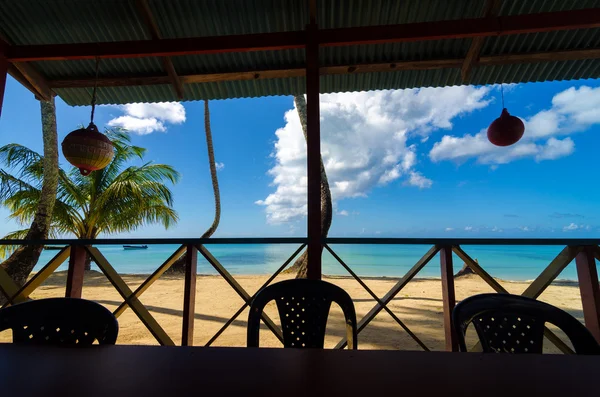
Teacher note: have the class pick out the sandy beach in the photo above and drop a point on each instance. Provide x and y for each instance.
(418, 305)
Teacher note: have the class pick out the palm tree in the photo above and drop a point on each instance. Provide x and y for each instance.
(24, 259)
(179, 265)
(300, 265)
(112, 200)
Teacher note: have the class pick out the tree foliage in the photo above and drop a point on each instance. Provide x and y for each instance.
(119, 198)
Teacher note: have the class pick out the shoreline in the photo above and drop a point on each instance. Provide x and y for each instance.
(419, 305)
(561, 281)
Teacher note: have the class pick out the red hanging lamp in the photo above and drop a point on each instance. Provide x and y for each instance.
(506, 130)
(87, 148)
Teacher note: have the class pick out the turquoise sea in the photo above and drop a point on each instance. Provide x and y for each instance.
(505, 262)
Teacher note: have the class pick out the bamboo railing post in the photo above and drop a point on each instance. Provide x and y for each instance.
(448, 296)
(189, 296)
(587, 273)
(76, 271)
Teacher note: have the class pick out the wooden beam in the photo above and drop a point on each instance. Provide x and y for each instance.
(550, 56)
(76, 271)
(411, 32)
(433, 64)
(313, 154)
(491, 8)
(3, 76)
(189, 296)
(587, 274)
(35, 79)
(448, 297)
(146, 13)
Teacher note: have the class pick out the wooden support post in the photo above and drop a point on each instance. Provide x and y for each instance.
(76, 271)
(189, 296)
(449, 299)
(587, 273)
(313, 148)
(3, 76)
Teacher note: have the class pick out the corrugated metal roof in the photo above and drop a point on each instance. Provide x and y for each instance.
(77, 21)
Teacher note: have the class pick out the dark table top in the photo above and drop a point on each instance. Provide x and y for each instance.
(168, 371)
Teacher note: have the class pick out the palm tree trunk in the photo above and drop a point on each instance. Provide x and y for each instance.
(301, 264)
(213, 174)
(179, 265)
(24, 259)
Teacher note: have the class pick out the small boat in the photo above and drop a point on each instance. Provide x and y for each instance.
(135, 247)
(53, 248)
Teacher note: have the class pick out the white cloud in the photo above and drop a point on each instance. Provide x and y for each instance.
(572, 110)
(145, 118)
(524, 228)
(219, 166)
(364, 143)
(449, 229)
(418, 180)
(343, 213)
(573, 226)
(496, 229)
(468, 228)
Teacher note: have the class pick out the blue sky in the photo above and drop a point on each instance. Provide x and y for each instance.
(404, 163)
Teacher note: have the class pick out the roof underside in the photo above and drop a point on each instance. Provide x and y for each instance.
(74, 21)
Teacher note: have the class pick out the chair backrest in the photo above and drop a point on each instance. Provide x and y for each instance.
(303, 309)
(60, 321)
(514, 324)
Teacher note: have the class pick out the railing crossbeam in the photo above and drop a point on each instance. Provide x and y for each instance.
(150, 280)
(238, 288)
(542, 283)
(247, 303)
(23, 294)
(376, 298)
(392, 292)
(123, 289)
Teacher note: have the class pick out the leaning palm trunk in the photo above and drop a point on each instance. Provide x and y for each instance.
(24, 259)
(179, 265)
(301, 264)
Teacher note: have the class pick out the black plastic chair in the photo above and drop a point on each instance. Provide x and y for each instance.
(514, 324)
(303, 309)
(60, 321)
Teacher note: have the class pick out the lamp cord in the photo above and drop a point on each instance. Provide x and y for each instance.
(502, 94)
(94, 91)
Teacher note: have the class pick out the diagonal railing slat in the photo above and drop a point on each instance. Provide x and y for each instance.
(376, 298)
(238, 288)
(549, 274)
(247, 303)
(123, 289)
(7, 285)
(23, 294)
(153, 277)
(393, 292)
(597, 253)
(500, 289)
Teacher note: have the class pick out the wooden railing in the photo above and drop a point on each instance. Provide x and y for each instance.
(584, 251)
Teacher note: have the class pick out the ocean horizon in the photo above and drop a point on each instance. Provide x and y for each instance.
(514, 263)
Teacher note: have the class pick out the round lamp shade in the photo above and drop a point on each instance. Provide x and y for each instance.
(506, 130)
(88, 149)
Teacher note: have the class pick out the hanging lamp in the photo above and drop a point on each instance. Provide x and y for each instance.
(506, 130)
(87, 148)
